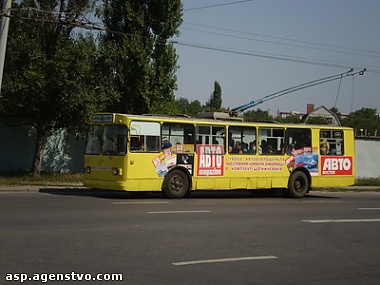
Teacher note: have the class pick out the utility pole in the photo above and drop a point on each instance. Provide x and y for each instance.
(4, 35)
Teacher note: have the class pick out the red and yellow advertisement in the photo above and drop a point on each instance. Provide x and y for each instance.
(160, 165)
(210, 160)
(336, 165)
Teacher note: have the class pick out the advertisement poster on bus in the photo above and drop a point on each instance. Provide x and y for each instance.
(210, 160)
(304, 157)
(168, 159)
(336, 165)
(255, 163)
(160, 165)
(186, 160)
(164, 162)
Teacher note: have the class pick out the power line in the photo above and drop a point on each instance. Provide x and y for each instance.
(339, 48)
(58, 17)
(284, 44)
(237, 110)
(217, 5)
(86, 24)
(277, 57)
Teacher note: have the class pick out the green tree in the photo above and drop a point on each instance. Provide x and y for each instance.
(215, 102)
(183, 105)
(195, 107)
(257, 116)
(48, 73)
(137, 60)
(189, 108)
(365, 121)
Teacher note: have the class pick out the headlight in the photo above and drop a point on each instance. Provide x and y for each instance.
(88, 169)
(115, 171)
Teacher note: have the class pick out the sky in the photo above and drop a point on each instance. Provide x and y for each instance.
(254, 48)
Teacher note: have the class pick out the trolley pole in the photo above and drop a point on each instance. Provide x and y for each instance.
(4, 35)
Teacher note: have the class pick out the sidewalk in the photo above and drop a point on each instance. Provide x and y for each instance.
(36, 188)
(363, 187)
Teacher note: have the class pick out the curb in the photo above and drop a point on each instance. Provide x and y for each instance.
(37, 188)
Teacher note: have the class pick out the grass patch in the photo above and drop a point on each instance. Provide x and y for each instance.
(52, 179)
(367, 182)
(348, 189)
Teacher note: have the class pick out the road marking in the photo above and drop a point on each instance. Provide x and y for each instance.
(191, 262)
(177, 212)
(365, 209)
(341, 220)
(142, 202)
(322, 201)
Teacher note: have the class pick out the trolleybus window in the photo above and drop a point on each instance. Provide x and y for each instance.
(145, 136)
(114, 139)
(331, 142)
(94, 136)
(242, 140)
(206, 134)
(297, 139)
(179, 134)
(271, 141)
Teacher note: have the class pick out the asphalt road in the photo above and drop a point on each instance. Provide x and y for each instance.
(211, 238)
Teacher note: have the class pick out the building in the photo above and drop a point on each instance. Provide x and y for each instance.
(330, 118)
(284, 115)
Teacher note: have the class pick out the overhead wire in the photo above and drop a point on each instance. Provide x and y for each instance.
(338, 47)
(218, 5)
(344, 50)
(83, 22)
(87, 24)
(276, 56)
(337, 93)
(238, 110)
(352, 93)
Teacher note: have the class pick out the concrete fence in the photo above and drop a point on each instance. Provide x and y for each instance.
(367, 158)
(62, 153)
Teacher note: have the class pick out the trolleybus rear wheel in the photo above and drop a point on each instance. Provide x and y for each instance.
(176, 184)
(298, 184)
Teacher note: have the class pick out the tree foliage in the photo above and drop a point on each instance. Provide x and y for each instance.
(53, 77)
(48, 73)
(365, 121)
(189, 108)
(137, 61)
(257, 116)
(215, 102)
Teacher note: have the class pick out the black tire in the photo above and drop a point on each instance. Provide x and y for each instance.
(176, 184)
(298, 184)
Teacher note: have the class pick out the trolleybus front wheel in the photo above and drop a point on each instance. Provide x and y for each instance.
(176, 184)
(298, 184)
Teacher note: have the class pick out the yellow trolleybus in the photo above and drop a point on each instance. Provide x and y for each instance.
(178, 155)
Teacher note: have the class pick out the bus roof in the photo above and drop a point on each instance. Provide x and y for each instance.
(105, 117)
